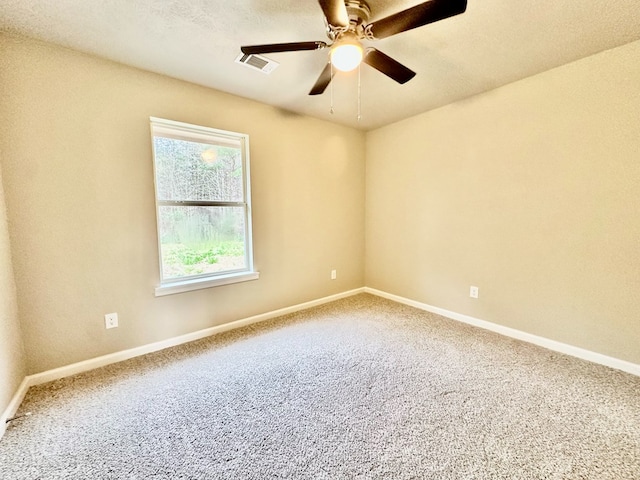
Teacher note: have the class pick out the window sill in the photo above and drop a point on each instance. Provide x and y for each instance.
(200, 283)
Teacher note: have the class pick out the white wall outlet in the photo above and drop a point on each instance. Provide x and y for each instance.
(111, 320)
(334, 274)
(473, 292)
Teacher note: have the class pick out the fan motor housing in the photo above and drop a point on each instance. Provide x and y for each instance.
(358, 11)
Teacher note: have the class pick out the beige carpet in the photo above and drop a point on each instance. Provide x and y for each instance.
(359, 388)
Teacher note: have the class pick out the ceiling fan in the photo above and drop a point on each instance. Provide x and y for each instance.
(346, 22)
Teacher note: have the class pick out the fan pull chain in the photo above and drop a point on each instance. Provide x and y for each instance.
(331, 87)
(359, 90)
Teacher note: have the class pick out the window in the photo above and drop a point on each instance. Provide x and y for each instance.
(203, 206)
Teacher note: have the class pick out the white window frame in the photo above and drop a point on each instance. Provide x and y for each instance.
(195, 133)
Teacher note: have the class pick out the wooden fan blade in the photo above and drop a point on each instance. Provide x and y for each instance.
(335, 12)
(323, 81)
(282, 47)
(387, 65)
(427, 12)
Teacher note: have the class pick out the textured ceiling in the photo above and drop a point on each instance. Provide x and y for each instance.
(494, 43)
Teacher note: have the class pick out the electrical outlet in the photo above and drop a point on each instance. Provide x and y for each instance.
(334, 274)
(111, 320)
(473, 292)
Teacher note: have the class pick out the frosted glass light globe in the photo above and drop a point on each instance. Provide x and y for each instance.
(347, 56)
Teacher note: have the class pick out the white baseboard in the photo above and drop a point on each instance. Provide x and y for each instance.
(97, 362)
(560, 347)
(14, 404)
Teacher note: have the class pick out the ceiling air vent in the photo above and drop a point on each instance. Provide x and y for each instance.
(264, 64)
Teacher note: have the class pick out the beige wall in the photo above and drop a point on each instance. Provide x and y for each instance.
(12, 360)
(530, 192)
(79, 190)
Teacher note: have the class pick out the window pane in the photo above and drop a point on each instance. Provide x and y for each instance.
(197, 171)
(201, 240)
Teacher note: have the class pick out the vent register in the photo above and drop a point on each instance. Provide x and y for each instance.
(257, 62)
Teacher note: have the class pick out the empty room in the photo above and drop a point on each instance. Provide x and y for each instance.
(326, 239)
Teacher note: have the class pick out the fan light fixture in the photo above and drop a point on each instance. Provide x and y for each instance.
(347, 23)
(346, 54)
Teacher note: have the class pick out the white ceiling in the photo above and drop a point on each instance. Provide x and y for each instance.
(493, 43)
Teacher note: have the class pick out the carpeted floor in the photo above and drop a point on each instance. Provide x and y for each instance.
(359, 388)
